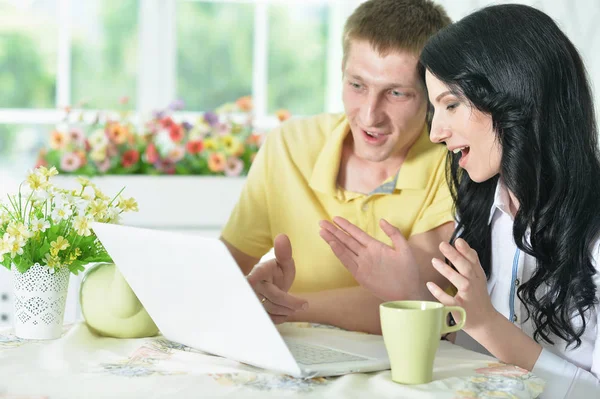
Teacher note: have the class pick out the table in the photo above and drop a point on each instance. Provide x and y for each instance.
(83, 365)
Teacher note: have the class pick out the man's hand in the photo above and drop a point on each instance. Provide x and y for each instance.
(272, 279)
(386, 271)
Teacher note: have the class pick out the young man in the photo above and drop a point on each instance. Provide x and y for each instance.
(373, 161)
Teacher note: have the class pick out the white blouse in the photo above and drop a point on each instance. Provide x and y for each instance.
(568, 372)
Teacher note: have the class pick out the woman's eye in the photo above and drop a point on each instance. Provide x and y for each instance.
(452, 106)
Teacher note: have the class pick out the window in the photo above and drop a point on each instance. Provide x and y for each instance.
(104, 39)
(58, 53)
(28, 54)
(214, 52)
(297, 54)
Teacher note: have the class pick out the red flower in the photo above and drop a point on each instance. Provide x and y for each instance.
(167, 122)
(194, 147)
(151, 153)
(176, 133)
(130, 158)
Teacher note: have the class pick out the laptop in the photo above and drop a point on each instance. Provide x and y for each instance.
(196, 294)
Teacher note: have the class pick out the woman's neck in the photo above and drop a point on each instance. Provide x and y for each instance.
(513, 206)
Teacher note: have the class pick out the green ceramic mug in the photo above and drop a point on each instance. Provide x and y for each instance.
(412, 332)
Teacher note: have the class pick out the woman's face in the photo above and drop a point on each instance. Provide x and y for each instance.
(464, 129)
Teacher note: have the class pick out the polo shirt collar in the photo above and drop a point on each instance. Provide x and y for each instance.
(414, 174)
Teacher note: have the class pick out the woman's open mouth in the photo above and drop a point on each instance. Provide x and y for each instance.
(464, 154)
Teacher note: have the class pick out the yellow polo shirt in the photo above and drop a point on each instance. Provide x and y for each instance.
(292, 185)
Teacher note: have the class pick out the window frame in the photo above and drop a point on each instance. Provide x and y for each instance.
(156, 80)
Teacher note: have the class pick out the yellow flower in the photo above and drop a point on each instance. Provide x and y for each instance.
(210, 144)
(99, 154)
(232, 145)
(6, 244)
(17, 248)
(75, 254)
(81, 224)
(59, 245)
(98, 207)
(36, 181)
(100, 195)
(52, 261)
(128, 204)
(83, 181)
(47, 173)
(18, 230)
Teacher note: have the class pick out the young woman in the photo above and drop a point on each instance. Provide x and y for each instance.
(512, 103)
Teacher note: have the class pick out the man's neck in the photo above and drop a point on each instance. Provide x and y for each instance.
(362, 176)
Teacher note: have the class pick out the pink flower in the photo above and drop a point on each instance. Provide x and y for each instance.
(223, 129)
(103, 166)
(70, 162)
(176, 154)
(76, 136)
(152, 153)
(234, 167)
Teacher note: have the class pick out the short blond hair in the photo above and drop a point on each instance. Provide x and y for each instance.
(394, 25)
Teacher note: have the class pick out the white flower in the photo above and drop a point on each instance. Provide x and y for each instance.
(4, 216)
(113, 214)
(39, 225)
(80, 205)
(98, 139)
(39, 196)
(163, 142)
(61, 212)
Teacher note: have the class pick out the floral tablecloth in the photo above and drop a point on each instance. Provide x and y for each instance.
(83, 365)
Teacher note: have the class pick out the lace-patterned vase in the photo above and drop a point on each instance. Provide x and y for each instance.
(39, 301)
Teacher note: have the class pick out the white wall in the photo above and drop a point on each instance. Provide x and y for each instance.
(579, 19)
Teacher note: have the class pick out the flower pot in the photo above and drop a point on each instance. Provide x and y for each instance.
(39, 301)
(185, 203)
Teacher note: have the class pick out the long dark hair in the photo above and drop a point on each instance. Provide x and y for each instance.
(514, 63)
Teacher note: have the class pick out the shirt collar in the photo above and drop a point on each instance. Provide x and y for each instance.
(501, 201)
(414, 174)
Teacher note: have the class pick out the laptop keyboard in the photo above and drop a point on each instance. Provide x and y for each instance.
(310, 354)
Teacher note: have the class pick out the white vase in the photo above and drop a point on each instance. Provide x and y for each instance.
(39, 301)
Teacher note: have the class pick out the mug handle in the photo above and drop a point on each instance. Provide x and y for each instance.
(463, 317)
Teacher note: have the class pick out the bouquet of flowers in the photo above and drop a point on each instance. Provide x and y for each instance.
(46, 225)
(222, 142)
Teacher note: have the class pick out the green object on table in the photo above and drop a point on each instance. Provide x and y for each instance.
(412, 332)
(110, 307)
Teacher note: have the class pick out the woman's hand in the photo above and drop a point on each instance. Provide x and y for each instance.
(470, 281)
(389, 272)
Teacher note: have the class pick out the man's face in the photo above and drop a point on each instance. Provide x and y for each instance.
(384, 99)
